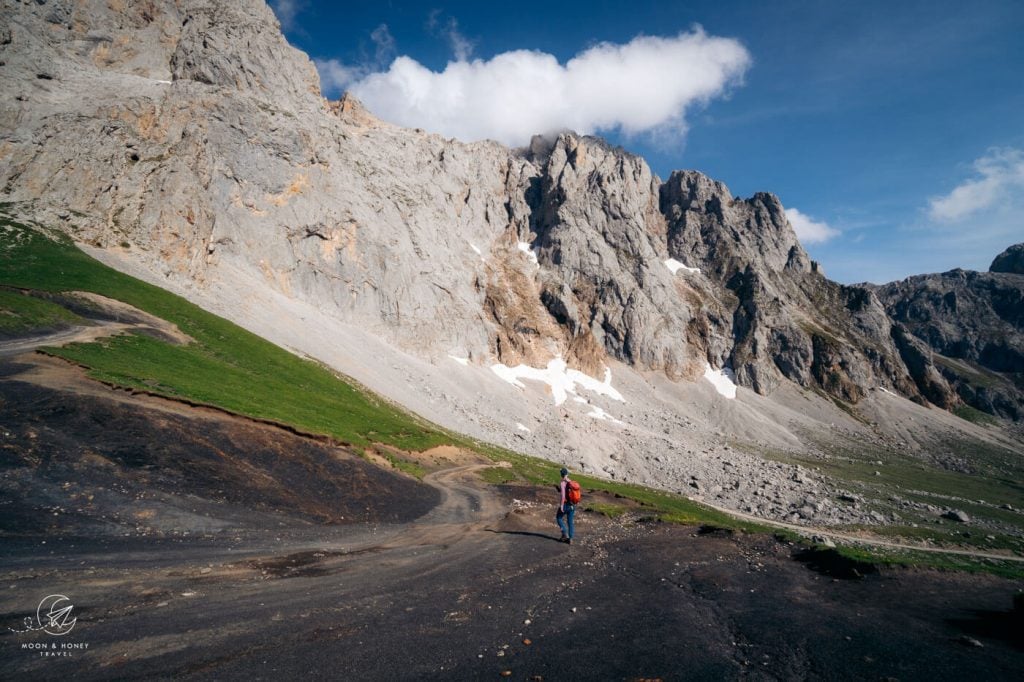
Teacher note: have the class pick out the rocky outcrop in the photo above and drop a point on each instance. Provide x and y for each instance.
(973, 323)
(190, 135)
(1010, 261)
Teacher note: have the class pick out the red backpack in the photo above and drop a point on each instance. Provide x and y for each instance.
(572, 492)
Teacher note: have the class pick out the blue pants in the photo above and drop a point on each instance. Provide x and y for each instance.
(564, 518)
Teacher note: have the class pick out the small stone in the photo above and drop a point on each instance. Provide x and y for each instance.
(506, 673)
(527, 642)
(970, 641)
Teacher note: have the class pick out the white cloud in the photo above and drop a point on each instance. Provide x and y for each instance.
(462, 47)
(1000, 179)
(384, 43)
(286, 11)
(645, 85)
(810, 231)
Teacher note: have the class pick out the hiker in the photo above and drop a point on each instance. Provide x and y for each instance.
(569, 491)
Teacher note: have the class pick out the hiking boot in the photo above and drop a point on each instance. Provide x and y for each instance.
(568, 541)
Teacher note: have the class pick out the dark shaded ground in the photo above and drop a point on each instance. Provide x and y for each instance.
(74, 464)
(457, 593)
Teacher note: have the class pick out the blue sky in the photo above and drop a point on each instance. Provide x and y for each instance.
(895, 130)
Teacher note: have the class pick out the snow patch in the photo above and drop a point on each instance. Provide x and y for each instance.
(530, 253)
(885, 390)
(521, 427)
(561, 379)
(462, 361)
(723, 380)
(675, 266)
(597, 413)
(478, 251)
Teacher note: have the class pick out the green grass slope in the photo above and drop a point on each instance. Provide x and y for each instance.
(20, 314)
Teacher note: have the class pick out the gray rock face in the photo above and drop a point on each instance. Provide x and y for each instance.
(787, 321)
(600, 239)
(1011, 261)
(192, 136)
(974, 324)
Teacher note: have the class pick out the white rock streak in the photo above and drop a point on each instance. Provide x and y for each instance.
(462, 361)
(562, 380)
(723, 380)
(521, 427)
(675, 266)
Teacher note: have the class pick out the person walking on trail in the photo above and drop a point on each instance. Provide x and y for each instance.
(569, 491)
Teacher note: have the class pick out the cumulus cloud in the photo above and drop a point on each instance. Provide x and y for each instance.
(810, 231)
(999, 179)
(645, 85)
(286, 11)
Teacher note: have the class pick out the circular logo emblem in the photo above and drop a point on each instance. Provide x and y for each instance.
(54, 615)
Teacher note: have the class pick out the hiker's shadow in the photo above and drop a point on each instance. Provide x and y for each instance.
(525, 532)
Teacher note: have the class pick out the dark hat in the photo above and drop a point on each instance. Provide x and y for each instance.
(565, 472)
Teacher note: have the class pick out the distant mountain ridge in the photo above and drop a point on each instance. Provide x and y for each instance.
(191, 137)
(974, 322)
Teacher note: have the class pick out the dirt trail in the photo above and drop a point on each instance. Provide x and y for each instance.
(78, 334)
(108, 317)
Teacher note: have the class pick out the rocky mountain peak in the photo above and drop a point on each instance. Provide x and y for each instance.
(707, 225)
(1010, 261)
